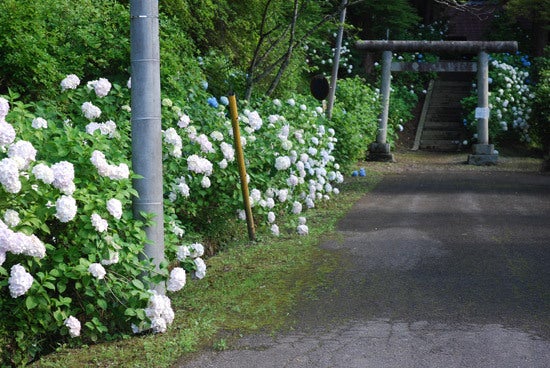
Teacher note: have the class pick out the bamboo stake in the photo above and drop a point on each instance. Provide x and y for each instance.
(240, 163)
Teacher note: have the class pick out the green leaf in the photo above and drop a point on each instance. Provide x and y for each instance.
(102, 303)
(138, 284)
(30, 302)
(49, 285)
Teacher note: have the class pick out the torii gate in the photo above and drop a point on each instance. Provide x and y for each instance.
(483, 152)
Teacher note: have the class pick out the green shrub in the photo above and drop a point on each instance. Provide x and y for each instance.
(541, 104)
(354, 119)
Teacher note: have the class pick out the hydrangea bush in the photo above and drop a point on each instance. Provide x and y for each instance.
(71, 262)
(510, 99)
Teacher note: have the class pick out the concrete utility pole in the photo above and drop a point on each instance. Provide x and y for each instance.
(380, 150)
(146, 123)
(336, 60)
(483, 152)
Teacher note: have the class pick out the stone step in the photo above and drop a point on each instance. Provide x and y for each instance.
(440, 127)
(442, 135)
(443, 125)
(440, 145)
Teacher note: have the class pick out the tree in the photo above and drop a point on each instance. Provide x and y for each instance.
(538, 14)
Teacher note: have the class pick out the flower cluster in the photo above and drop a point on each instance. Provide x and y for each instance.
(320, 56)
(114, 172)
(20, 281)
(194, 251)
(107, 128)
(160, 313)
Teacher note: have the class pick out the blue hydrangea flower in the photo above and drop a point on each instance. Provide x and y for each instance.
(213, 102)
(355, 173)
(224, 100)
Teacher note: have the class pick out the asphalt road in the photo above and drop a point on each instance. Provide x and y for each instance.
(438, 269)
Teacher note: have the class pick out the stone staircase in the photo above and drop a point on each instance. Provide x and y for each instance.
(440, 126)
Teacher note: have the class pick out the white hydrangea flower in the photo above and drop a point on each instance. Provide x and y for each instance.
(90, 111)
(7, 133)
(255, 196)
(20, 281)
(184, 121)
(183, 252)
(270, 203)
(159, 311)
(206, 145)
(282, 162)
(270, 217)
(102, 87)
(228, 151)
(65, 208)
(199, 165)
(63, 177)
(291, 102)
(241, 215)
(11, 218)
(201, 268)
(97, 270)
(223, 164)
(177, 279)
(71, 81)
(73, 325)
(292, 180)
(197, 250)
(20, 243)
(114, 172)
(9, 175)
(24, 151)
(99, 223)
(205, 182)
(114, 206)
(39, 123)
(296, 208)
(275, 229)
(302, 230)
(277, 102)
(254, 120)
(217, 136)
(4, 108)
(282, 195)
(183, 189)
(113, 258)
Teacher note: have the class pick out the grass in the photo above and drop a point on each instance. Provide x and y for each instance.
(249, 287)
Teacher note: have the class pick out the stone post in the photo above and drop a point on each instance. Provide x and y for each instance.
(483, 152)
(380, 150)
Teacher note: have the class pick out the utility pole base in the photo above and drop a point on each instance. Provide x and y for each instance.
(483, 155)
(380, 152)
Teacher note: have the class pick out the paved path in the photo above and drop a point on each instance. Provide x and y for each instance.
(440, 269)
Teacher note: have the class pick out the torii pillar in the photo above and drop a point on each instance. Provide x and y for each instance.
(483, 152)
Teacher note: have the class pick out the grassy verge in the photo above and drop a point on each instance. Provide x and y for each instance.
(249, 287)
